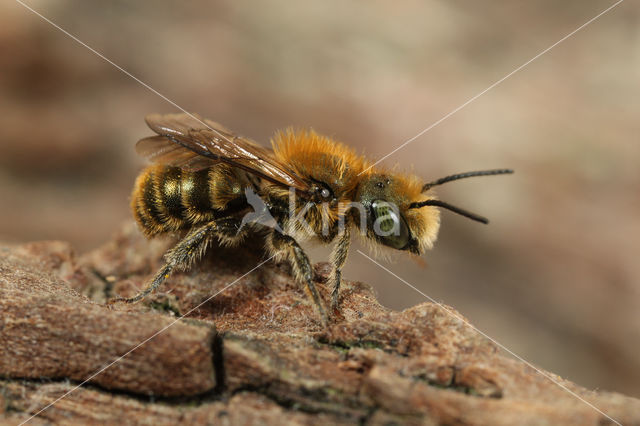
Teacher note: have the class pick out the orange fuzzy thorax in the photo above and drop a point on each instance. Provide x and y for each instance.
(312, 155)
(315, 156)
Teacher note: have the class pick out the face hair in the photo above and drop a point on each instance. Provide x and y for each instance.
(450, 178)
(448, 206)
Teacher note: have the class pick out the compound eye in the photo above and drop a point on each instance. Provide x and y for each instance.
(389, 225)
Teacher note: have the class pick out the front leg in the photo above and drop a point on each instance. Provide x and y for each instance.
(286, 247)
(338, 258)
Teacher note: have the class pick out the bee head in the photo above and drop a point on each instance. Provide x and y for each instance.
(402, 214)
(385, 200)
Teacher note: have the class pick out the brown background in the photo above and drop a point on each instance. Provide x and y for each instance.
(555, 277)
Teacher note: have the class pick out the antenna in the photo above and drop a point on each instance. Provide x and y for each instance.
(450, 207)
(457, 176)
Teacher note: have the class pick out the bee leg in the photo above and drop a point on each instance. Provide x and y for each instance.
(289, 248)
(338, 258)
(187, 251)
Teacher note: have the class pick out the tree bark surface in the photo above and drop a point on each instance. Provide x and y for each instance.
(254, 353)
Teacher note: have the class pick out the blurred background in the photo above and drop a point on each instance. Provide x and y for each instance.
(555, 277)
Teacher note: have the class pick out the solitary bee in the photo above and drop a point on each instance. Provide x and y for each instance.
(208, 180)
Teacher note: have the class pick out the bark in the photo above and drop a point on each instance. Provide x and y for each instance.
(253, 354)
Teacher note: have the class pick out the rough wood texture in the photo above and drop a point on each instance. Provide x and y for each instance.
(51, 331)
(254, 354)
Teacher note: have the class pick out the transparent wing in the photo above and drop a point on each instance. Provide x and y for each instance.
(192, 142)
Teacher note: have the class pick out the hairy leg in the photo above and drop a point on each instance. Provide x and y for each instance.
(186, 252)
(288, 248)
(338, 258)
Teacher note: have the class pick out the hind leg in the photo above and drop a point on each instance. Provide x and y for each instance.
(189, 250)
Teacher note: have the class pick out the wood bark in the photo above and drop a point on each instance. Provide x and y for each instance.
(253, 354)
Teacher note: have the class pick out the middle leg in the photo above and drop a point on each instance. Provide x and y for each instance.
(338, 259)
(285, 246)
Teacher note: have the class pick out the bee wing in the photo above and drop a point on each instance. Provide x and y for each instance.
(192, 142)
(162, 150)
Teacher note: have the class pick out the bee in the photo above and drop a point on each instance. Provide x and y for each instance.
(207, 181)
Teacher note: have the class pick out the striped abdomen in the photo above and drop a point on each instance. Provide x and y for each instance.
(167, 198)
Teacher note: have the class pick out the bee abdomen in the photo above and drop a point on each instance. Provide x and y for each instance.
(167, 199)
(196, 195)
(169, 191)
